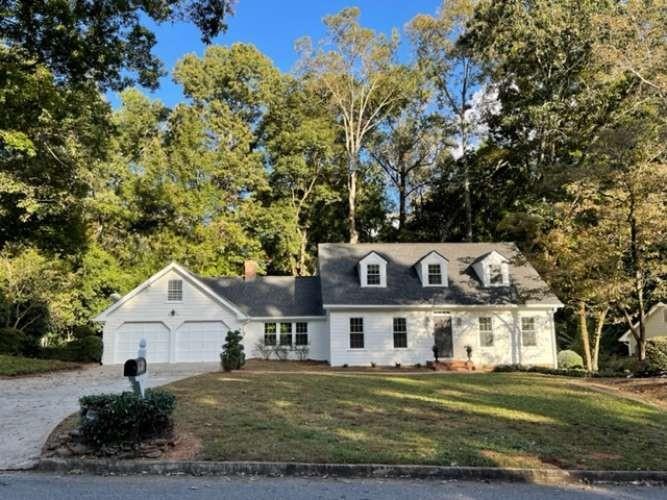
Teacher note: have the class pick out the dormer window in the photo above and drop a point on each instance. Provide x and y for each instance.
(432, 269)
(434, 274)
(373, 271)
(495, 274)
(492, 269)
(373, 276)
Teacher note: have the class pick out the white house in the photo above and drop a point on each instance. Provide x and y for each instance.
(656, 326)
(380, 303)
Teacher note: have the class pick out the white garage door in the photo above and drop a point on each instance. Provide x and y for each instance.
(157, 342)
(200, 341)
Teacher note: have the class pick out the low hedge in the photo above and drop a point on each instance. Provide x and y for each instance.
(110, 419)
(86, 349)
(568, 360)
(571, 372)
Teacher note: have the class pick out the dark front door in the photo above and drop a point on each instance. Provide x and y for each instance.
(442, 332)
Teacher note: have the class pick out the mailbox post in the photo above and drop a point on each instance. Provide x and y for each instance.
(135, 370)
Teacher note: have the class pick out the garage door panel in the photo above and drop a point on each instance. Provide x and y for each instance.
(157, 341)
(200, 341)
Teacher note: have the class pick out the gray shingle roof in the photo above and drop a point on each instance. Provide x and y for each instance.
(271, 295)
(338, 269)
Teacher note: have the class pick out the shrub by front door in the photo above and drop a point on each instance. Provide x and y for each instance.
(442, 333)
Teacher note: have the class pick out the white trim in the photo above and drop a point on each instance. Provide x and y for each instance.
(443, 306)
(280, 318)
(186, 275)
(626, 337)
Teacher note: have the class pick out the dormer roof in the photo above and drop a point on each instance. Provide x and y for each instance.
(432, 252)
(338, 263)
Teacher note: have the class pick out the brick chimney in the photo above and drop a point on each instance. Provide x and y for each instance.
(249, 270)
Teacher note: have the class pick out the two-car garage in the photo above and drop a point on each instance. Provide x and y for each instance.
(193, 341)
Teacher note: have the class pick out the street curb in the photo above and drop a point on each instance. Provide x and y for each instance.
(273, 469)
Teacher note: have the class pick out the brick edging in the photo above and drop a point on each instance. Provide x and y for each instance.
(203, 468)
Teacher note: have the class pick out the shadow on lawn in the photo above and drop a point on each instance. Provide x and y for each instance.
(509, 420)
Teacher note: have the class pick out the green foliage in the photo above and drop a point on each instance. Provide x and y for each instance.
(14, 366)
(86, 349)
(232, 356)
(108, 419)
(565, 372)
(569, 360)
(12, 341)
(656, 355)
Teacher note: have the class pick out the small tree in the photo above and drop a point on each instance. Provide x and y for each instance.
(232, 357)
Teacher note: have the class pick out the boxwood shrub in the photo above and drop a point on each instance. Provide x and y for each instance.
(110, 419)
(656, 355)
(569, 359)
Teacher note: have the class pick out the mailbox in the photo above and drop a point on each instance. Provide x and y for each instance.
(134, 367)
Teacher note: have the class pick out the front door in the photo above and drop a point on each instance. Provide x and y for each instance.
(442, 333)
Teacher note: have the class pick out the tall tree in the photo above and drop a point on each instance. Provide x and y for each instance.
(300, 140)
(103, 42)
(458, 81)
(408, 148)
(356, 69)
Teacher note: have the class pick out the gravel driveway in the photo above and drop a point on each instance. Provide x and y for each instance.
(31, 407)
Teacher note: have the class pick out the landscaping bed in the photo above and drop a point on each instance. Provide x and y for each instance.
(12, 366)
(499, 419)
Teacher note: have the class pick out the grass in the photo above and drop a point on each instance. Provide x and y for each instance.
(12, 366)
(498, 419)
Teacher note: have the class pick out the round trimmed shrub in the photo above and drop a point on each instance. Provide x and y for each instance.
(12, 341)
(656, 354)
(568, 360)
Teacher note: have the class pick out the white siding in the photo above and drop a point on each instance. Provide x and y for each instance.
(318, 336)
(151, 305)
(656, 326)
(378, 337)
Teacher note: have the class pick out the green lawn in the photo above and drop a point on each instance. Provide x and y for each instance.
(493, 419)
(11, 366)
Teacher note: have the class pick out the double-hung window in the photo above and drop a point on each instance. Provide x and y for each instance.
(286, 334)
(301, 337)
(373, 274)
(400, 333)
(486, 332)
(175, 291)
(528, 336)
(495, 274)
(434, 274)
(356, 333)
(269, 334)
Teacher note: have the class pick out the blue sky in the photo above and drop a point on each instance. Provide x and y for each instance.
(273, 27)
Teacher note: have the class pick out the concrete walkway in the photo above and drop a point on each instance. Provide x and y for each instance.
(31, 407)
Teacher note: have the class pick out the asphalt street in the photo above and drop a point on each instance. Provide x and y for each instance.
(42, 486)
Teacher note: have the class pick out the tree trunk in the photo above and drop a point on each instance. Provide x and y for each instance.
(597, 336)
(401, 205)
(302, 253)
(352, 202)
(466, 200)
(583, 332)
(638, 279)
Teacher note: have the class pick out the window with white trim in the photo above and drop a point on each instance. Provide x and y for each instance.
(175, 291)
(528, 334)
(400, 333)
(301, 337)
(486, 332)
(356, 333)
(286, 334)
(373, 274)
(495, 274)
(270, 334)
(434, 274)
